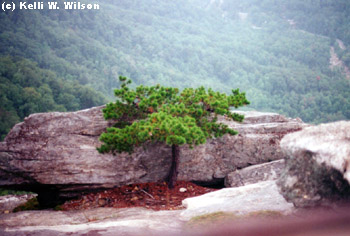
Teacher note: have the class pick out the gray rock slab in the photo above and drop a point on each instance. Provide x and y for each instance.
(254, 174)
(100, 221)
(263, 196)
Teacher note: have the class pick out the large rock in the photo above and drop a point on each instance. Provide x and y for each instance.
(317, 165)
(55, 154)
(257, 142)
(255, 174)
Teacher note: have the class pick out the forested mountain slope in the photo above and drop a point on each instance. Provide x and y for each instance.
(276, 51)
(25, 89)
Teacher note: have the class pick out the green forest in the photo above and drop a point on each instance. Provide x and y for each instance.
(25, 89)
(278, 52)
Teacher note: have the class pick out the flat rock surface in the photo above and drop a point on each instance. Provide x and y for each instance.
(263, 196)
(99, 221)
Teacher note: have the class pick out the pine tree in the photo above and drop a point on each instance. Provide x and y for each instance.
(167, 115)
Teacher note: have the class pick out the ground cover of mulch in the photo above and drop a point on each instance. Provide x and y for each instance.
(155, 196)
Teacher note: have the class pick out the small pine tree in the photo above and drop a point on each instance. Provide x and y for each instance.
(167, 115)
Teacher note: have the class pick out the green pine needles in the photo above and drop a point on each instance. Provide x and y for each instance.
(167, 115)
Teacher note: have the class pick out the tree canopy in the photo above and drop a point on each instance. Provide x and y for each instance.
(165, 114)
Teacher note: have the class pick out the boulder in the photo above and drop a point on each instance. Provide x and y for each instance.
(54, 154)
(257, 142)
(317, 169)
(253, 198)
(254, 174)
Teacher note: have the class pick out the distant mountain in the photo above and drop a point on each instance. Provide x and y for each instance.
(276, 51)
(330, 18)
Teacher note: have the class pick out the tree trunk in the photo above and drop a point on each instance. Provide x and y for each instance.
(175, 151)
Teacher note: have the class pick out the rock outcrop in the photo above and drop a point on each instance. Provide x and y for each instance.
(257, 142)
(317, 169)
(54, 154)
